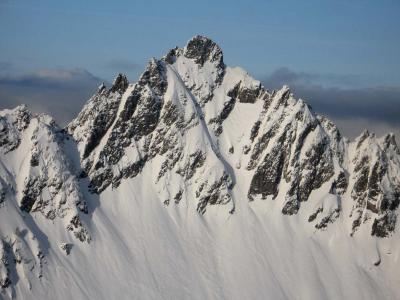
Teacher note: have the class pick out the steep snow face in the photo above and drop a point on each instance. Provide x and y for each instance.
(195, 182)
(159, 124)
(287, 150)
(36, 178)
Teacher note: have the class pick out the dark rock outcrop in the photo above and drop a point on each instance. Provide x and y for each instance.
(376, 186)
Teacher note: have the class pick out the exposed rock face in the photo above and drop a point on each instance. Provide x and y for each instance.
(157, 119)
(139, 115)
(375, 185)
(51, 187)
(98, 115)
(12, 126)
(290, 151)
(20, 255)
(200, 66)
(202, 49)
(36, 175)
(226, 110)
(292, 147)
(247, 94)
(66, 248)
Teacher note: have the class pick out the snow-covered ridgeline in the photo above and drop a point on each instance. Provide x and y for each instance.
(205, 150)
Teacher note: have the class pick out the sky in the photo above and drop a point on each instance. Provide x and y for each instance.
(341, 56)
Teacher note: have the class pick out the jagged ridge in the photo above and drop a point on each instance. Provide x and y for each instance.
(200, 128)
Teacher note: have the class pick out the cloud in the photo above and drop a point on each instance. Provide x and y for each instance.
(286, 76)
(380, 104)
(58, 92)
(6, 66)
(51, 78)
(121, 65)
(375, 108)
(62, 93)
(353, 127)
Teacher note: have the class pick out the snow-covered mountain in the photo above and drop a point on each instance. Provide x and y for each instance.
(196, 182)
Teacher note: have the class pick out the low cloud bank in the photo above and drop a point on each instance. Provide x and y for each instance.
(352, 109)
(58, 92)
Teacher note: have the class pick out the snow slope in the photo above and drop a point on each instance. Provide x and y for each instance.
(196, 183)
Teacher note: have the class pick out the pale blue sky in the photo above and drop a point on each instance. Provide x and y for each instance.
(342, 37)
(342, 56)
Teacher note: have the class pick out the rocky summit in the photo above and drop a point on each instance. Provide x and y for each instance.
(196, 182)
